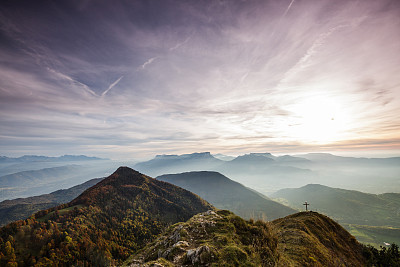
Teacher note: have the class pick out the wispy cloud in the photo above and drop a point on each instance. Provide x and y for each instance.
(72, 81)
(180, 44)
(112, 86)
(210, 75)
(148, 62)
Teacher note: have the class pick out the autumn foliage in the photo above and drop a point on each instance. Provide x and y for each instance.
(101, 227)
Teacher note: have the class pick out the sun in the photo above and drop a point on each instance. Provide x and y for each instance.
(319, 119)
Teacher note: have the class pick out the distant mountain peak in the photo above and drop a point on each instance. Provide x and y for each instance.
(199, 154)
(195, 155)
(264, 157)
(223, 157)
(265, 154)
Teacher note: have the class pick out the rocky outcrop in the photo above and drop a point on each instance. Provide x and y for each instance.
(211, 238)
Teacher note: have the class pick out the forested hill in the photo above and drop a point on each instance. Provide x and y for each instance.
(102, 226)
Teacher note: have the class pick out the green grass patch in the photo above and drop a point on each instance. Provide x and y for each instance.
(374, 235)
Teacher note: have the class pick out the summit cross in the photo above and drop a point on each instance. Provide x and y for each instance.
(306, 204)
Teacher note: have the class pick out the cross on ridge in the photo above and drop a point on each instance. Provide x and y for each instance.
(306, 204)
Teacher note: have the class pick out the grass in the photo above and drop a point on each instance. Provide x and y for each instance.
(374, 235)
(217, 239)
(312, 239)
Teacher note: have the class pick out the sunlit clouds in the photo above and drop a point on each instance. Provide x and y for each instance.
(133, 79)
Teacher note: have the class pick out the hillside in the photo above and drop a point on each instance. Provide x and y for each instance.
(224, 193)
(103, 225)
(346, 206)
(224, 239)
(312, 239)
(22, 208)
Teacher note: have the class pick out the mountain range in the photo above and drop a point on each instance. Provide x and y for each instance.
(268, 173)
(261, 171)
(214, 187)
(129, 218)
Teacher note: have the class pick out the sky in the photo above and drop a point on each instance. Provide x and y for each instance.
(131, 79)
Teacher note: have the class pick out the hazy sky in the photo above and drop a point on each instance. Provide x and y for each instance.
(137, 78)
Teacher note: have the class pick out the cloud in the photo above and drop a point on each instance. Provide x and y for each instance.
(148, 62)
(74, 82)
(223, 75)
(180, 44)
(112, 86)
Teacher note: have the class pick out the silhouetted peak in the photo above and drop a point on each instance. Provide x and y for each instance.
(125, 175)
(124, 170)
(122, 177)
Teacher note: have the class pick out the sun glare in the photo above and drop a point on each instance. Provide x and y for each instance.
(319, 119)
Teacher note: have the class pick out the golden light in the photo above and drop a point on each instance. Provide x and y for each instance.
(319, 119)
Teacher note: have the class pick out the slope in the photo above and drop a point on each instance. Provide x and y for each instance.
(22, 208)
(312, 239)
(346, 206)
(224, 239)
(224, 193)
(211, 239)
(103, 225)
